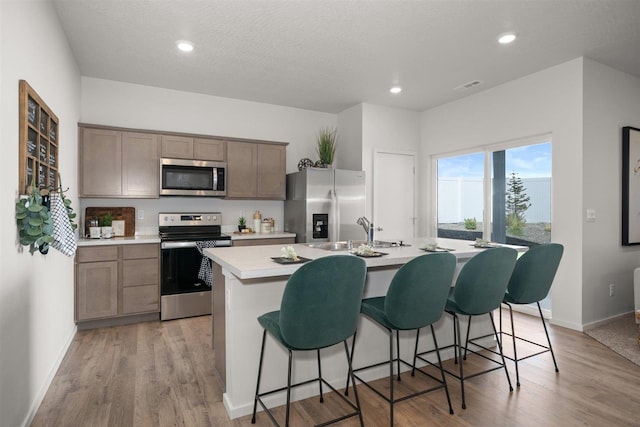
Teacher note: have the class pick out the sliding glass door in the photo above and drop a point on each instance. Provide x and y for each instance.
(502, 193)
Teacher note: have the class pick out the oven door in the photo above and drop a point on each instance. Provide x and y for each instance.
(179, 266)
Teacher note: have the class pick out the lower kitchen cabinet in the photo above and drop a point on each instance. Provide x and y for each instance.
(116, 281)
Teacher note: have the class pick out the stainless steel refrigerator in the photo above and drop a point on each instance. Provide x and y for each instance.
(323, 205)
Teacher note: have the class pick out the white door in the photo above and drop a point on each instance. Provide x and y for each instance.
(394, 195)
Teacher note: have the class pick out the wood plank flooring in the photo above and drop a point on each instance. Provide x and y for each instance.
(160, 374)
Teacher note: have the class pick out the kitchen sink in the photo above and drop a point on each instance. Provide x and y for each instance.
(344, 245)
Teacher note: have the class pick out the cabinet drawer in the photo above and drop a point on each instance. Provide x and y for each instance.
(140, 299)
(98, 253)
(150, 250)
(140, 272)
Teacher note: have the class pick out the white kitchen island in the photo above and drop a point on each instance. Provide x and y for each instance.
(252, 284)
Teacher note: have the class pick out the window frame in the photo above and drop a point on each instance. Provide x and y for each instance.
(487, 150)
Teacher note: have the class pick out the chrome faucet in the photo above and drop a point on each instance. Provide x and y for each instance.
(368, 228)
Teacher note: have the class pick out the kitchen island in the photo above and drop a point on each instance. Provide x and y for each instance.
(248, 283)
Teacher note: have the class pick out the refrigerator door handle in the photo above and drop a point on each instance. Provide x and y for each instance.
(336, 215)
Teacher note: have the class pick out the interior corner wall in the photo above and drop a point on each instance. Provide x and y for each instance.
(611, 101)
(549, 101)
(349, 149)
(36, 291)
(386, 128)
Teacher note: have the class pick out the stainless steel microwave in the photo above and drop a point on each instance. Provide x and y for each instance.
(182, 177)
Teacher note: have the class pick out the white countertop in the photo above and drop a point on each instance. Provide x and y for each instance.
(253, 262)
(273, 235)
(153, 238)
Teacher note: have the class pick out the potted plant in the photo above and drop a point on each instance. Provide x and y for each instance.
(326, 145)
(242, 223)
(105, 222)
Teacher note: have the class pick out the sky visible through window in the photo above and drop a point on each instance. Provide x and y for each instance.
(530, 161)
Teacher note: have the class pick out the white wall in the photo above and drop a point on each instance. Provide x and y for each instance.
(547, 101)
(611, 101)
(349, 150)
(111, 103)
(386, 128)
(36, 292)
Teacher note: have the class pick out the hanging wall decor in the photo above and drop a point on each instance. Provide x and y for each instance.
(630, 186)
(39, 160)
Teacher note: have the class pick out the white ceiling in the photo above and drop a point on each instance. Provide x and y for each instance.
(328, 55)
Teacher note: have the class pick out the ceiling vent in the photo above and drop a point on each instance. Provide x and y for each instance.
(468, 85)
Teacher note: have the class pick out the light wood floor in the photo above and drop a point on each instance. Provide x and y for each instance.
(160, 374)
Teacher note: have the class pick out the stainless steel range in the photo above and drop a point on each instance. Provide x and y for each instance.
(185, 275)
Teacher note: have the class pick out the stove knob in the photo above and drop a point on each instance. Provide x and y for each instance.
(166, 218)
(209, 218)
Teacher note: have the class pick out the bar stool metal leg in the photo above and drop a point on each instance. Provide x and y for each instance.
(444, 381)
(320, 377)
(255, 401)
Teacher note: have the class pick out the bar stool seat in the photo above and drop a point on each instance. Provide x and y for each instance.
(415, 299)
(320, 308)
(479, 290)
(530, 283)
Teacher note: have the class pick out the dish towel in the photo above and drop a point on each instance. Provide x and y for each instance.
(63, 238)
(206, 272)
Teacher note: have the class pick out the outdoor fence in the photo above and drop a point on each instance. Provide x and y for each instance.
(460, 198)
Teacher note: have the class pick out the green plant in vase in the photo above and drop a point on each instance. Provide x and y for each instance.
(242, 223)
(326, 144)
(106, 220)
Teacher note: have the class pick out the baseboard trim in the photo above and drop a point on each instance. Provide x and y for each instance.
(39, 397)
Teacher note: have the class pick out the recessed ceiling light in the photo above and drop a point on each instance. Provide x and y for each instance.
(184, 45)
(395, 90)
(506, 38)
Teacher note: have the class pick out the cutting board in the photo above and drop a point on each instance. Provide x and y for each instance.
(126, 214)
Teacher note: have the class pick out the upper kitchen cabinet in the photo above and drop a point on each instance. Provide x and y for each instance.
(184, 147)
(118, 164)
(256, 170)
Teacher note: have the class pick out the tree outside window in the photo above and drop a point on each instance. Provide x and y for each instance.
(517, 202)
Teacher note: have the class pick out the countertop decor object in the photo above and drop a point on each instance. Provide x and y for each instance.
(118, 227)
(127, 214)
(285, 260)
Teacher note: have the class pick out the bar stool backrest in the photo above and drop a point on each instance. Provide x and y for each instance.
(418, 291)
(534, 272)
(483, 280)
(321, 301)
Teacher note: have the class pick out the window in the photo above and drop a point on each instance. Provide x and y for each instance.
(502, 193)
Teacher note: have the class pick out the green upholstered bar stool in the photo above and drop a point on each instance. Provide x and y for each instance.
(479, 290)
(530, 283)
(319, 308)
(415, 299)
